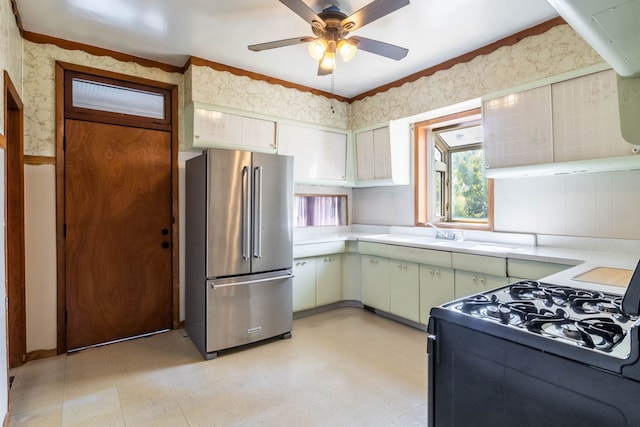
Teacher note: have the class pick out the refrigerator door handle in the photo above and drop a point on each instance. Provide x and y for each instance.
(249, 282)
(257, 206)
(246, 232)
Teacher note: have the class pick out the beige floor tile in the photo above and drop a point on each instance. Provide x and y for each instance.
(44, 416)
(101, 408)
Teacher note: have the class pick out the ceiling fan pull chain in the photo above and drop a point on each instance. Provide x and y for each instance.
(333, 111)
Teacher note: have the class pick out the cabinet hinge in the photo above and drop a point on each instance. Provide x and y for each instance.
(64, 230)
(65, 317)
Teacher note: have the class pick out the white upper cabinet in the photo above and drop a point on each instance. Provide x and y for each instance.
(210, 126)
(383, 155)
(586, 119)
(320, 155)
(565, 124)
(518, 129)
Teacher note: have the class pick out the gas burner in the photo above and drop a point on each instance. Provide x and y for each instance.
(536, 321)
(526, 290)
(604, 333)
(513, 313)
(473, 303)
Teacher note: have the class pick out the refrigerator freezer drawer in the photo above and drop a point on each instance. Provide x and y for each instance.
(247, 309)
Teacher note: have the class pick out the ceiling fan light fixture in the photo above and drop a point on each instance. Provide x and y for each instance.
(328, 61)
(317, 48)
(347, 49)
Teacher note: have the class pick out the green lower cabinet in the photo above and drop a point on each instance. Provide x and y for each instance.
(328, 279)
(304, 284)
(437, 286)
(468, 283)
(404, 289)
(374, 273)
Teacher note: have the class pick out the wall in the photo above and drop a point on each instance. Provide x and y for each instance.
(589, 205)
(11, 61)
(39, 140)
(10, 52)
(556, 51)
(225, 89)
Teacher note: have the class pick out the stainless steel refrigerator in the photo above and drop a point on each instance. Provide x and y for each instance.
(239, 248)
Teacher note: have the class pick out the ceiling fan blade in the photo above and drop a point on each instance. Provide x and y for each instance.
(381, 48)
(279, 43)
(304, 11)
(323, 71)
(374, 10)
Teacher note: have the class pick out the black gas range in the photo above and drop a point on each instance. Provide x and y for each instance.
(533, 353)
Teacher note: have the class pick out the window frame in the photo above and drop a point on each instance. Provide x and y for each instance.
(423, 150)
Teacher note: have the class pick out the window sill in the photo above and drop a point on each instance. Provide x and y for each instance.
(461, 226)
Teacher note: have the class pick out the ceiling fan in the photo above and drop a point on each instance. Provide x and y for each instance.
(331, 28)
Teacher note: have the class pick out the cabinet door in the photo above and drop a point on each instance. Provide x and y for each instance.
(211, 128)
(586, 118)
(518, 129)
(328, 279)
(437, 286)
(364, 155)
(469, 283)
(206, 127)
(375, 282)
(304, 284)
(351, 282)
(258, 134)
(320, 155)
(404, 289)
(381, 153)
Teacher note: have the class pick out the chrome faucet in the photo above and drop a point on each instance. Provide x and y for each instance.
(441, 234)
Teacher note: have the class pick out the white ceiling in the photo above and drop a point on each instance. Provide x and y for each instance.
(170, 31)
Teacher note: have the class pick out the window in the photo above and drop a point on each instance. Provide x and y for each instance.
(451, 188)
(320, 210)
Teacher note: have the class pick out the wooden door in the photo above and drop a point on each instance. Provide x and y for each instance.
(117, 190)
(14, 227)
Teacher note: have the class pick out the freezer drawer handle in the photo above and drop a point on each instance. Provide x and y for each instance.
(248, 282)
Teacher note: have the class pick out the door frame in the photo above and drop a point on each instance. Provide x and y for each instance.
(14, 235)
(61, 67)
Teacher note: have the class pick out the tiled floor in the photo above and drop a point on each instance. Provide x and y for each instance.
(343, 367)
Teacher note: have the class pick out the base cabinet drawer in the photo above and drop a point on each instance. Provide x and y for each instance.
(470, 283)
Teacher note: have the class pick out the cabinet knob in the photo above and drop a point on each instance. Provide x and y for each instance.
(474, 280)
(431, 272)
(482, 280)
(438, 273)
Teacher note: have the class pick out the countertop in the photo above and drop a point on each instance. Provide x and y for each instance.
(582, 260)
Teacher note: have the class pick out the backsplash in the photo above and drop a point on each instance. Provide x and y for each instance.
(586, 205)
